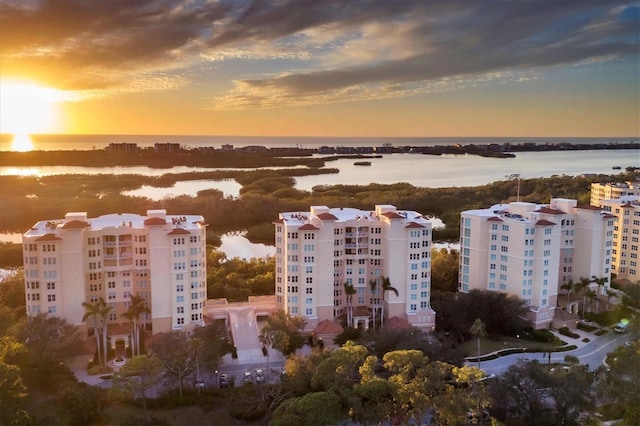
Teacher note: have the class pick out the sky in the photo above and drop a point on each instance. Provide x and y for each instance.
(321, 67)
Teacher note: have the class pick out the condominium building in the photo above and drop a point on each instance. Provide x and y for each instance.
(325, 251)
(79, 259)
(529, 250)
(610, 190)
(626, 236)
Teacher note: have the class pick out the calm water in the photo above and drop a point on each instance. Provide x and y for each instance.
(419, 170)
(416, 169)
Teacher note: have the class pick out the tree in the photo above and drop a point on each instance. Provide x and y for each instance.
(349, 291)
(570, 288)
(175, 352)
(341, 368)
(583, 286)
(137, 376)
(104, 314)
(283, 332)
(386, 286)
(214, 344)
(12, 301)
(590, 295)
(312, 409)
(444, 270)
(610, 293)
(478, 329)
(624, 381)
(93, 311)
(137, 307)
(601, 282)
(48, 340)
(373, 285)
(12, 390)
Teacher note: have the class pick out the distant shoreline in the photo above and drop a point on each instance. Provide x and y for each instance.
(165, 155)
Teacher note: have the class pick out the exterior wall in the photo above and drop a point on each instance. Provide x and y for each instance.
(608, 191)
(78, 259)
(317, 252)
(626, 236)
(529, 250)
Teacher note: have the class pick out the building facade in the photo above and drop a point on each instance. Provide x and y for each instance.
(160, 257)
(322, 253)
(626, 236)
(529, 250)
(611, 190)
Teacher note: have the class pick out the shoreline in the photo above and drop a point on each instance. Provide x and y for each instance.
(166, 155)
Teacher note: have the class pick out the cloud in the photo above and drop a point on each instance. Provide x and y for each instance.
(301, 52)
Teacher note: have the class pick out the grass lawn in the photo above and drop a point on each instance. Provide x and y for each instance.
(495, 343)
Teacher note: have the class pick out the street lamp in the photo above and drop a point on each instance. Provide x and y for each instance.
(217, 384)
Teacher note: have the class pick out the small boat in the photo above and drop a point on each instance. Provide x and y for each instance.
(362, 163)
(616, 167)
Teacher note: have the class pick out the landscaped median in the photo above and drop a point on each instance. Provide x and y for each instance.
(511, 351)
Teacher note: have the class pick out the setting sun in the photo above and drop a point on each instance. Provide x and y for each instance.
(27, 108)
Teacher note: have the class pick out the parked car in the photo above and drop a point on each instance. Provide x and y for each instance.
(260, 378)
(225, 381)
(621, 327)
(198, 384)
(247, 378)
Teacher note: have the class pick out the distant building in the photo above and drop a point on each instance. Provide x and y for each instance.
(123, 147)
(529, 250)
(79, 259)
(227, 147)
(165, 148)
(626, 236)
(319, 251)
(611, 190)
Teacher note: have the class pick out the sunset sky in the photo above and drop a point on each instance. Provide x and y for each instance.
(321, 67)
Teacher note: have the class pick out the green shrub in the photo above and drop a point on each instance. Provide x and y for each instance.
(566, 332)
(543, 335)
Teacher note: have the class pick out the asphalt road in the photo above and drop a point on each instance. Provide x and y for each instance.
(591, 354)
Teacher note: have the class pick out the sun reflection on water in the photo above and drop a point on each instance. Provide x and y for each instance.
(21, 142)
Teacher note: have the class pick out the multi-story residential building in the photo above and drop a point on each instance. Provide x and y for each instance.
(626, 236)
(608, 191)
(78, 259)
(322, 252)
(529, 250)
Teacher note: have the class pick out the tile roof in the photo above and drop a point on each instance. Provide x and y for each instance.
(48, 237)
(178, 231)
(75, 224)
(278, 221)
(588, 207)
(328, 327)
(392, 215)
(495, 219)
(549, 210)
(327, 216)
(544, 222)
(396, 323)
(414, 225)
(154, 221)
(308, 227)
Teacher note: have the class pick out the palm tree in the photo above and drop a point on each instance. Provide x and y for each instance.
(386, 286)
(569, 287)
(591, 295)
(103, 311)
(478, 329)
(373, 284)
(93, 310)
(349, 290)
(610, 293)
(601, 283)
(137, 307)
(583, 286)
